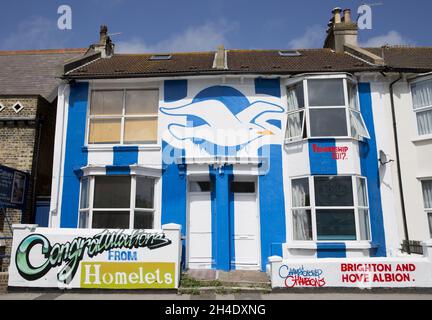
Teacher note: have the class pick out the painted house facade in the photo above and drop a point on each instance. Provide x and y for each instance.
(254, 153)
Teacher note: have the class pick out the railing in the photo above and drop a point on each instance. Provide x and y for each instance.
(412, 246)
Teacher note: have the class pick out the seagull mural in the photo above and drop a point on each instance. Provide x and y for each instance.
(222, 121)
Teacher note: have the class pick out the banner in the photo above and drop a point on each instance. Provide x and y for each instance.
(351, 272)
(95, 258)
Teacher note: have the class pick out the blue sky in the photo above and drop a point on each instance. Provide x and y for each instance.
(191, 25)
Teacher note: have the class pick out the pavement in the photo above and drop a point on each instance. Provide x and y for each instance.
(64, 295)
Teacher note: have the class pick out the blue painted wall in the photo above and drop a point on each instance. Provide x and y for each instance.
(268, 86)
(272, 206)
(75, 156)
(174, 183)
(125, 155)
(331, 250)
(175, 90)
(42, 213)
(369, 169)
(322, 162)
(222, 218)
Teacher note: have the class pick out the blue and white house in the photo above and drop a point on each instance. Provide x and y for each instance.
(255, 154)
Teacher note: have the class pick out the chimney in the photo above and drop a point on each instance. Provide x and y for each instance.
(342, 31)
(105, 45)
(220, 60)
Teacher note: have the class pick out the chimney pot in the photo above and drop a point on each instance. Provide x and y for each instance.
(343, 31)
(103, 33)
(337, 15)
(347, 15)
(105, 45)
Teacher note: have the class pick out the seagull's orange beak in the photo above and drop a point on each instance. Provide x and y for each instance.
(266, 133)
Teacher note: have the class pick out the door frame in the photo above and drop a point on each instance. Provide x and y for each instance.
(249, 178)
(187, 231)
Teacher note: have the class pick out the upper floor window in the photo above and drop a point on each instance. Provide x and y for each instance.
(427, 201)
(123, 117)
(324, 107)
(330, 208)
(422, 104)
(117, 202)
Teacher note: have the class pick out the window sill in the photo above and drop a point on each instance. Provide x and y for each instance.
(288, 141)
(350, 245)
(149, 147)
(424, 138)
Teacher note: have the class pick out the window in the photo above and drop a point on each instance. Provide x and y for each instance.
(330, 109)
(337, 211)
(123, 117)
(242, 187)
(296, 128)
(118, 202)
(422, 105)
(161, 57)
(427, 201)
(289, 53)
(200, 186)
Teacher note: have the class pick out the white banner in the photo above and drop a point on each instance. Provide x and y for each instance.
(95, 258)
(351, 272)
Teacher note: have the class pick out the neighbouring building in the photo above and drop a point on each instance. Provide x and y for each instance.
(309, 155)
(28, 100)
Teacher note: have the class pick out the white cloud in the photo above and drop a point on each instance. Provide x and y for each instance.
(200, 38)
(391, 38)
(35, 33)
(313, 37)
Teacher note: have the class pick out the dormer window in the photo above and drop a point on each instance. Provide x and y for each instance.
(289, 53)
(320, 107)
(160, 57)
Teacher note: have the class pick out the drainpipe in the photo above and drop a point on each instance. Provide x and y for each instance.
(39, 122)
(57, 200)
(402, 197)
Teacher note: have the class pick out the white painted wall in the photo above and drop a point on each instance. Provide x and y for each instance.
(415, 158)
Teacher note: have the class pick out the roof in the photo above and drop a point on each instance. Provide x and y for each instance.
(415, 59)
(33, 72)
(239, 62)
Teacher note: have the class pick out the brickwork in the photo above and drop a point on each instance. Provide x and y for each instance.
(3, 281)
(17, 144)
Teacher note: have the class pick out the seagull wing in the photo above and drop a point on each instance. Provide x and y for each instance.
(256, 109)
(213, 112)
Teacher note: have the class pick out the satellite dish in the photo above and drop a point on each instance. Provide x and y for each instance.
(383, 159)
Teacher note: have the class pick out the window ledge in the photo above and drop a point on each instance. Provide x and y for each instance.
(150, 147)
(422, 139)
(288, 141)
(356, 245)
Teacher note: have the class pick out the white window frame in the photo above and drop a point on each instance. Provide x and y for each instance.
(131, 209)
(427, 211)
(123, 116)
(422, 109)
(306, 110)
(312, 207)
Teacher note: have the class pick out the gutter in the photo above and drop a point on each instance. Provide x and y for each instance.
(401, 192)
(209, 73)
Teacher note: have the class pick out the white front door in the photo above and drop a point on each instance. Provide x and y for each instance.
(199, 253)
(246, 226)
